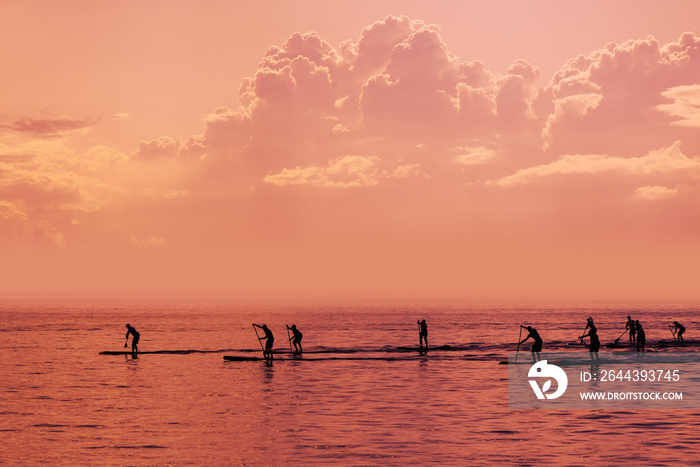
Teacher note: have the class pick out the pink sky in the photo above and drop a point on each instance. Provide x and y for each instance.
(471, 149)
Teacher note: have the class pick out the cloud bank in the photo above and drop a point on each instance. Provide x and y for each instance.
(383, 148)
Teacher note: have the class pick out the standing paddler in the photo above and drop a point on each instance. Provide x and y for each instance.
(593, 335)
(631, 327)
(641, 336)
(536, 345)
(422, 334)
(269, 340)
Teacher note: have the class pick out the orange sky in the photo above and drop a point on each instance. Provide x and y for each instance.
(471, 149)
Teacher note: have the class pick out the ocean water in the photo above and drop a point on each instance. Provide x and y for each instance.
(353, 399)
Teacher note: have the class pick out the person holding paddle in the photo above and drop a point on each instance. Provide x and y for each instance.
(593, 335)
(680, 329)
(269, 340)
(536, 345)
(422, 334)
(641, 336)
(134, 340)
(296, 338)
(631, 326)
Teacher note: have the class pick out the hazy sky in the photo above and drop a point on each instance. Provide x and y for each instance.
(473, 149)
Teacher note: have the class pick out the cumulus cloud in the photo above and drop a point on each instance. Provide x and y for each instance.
(308, 102)
(416, 91)
(618, 92)
(163, 147)
(373, 50)
(226, 132)
(292, 93)
(516, 93)
(398, 108)
(393, 107)
(571, 110)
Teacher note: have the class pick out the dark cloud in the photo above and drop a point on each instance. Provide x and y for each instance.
(49, 127)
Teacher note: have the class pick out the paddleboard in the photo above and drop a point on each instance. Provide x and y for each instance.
(237, 358)
(613, 345)
(129, 352)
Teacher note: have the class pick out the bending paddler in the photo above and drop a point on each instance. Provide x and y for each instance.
(536, 345)
(269, 340)
(134, 340)
(296, 338)
(680, 329)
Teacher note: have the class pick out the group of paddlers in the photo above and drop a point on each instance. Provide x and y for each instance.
(637, 337)
(296, 335)
(294, 338)
(633, 327)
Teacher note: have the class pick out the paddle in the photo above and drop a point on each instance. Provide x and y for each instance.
(520, 334)
(290, 341)
(623, 333)
(646, 342)
(673, 331)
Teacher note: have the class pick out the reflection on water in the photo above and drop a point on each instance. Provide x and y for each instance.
(71, 405)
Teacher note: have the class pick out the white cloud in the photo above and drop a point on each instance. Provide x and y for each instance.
(340, 130)
(151, 242)
(655, 192)
(685, 106)
(662, 161)
(343, 172)
(404, 171)
(166, 194)
(475, 156)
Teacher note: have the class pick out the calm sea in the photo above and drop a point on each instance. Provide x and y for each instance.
(363, 403)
